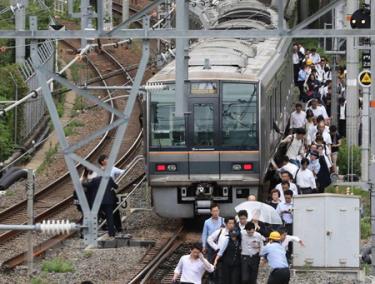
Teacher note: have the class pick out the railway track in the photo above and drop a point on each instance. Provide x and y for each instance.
(57, 196)
(159, 262)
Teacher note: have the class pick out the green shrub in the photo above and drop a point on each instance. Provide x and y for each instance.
(57, 265)
(342, 160)
(365, 228)
(70, 129)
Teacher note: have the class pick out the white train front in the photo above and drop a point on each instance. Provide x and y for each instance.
(237, 89)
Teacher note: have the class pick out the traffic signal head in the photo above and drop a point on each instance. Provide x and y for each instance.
(361, 19)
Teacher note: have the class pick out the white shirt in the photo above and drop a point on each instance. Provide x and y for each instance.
(292, 187)
(310, 130)
(342, 111)
(251, 245)
(315, 58)
(116, 172)
(287, 217)
(295, 148)
(192, 270)
(289, 167)
(305, 178)
(222, 234)
(295, 58)
(298, 120)
(289, 239)
(320, 110)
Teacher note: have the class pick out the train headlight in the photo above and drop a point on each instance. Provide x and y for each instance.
(172, 168)
(236, 167)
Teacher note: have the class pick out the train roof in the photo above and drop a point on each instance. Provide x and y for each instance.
(230, 59)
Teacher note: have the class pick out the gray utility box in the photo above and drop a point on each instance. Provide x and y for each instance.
(329, 225)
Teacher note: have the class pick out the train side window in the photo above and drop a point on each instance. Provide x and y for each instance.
(165, 130)
(240, 115)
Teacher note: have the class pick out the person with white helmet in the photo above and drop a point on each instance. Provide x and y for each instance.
(274, 253)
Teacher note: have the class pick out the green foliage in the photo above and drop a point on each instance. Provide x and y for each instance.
(60, 102)
(70, 129)
(57, 265)
(38, 280)
(87, 253)
(365, 228)
(48, 158)
(342, 160)
(79, 105)
(6, 144)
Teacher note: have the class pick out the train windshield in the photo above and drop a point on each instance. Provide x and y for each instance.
(166, 129)
(240, 116)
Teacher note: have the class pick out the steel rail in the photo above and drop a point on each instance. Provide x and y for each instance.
(149, 268)
(67, 201)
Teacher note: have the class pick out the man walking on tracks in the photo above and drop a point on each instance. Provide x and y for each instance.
(275, 255)
(251, 243)
(191, 267)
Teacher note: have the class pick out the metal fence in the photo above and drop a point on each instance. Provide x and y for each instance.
(35, 109)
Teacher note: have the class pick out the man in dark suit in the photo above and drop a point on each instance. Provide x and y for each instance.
(108, 202)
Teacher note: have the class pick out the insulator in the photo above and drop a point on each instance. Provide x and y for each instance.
(57, 227)
(154, 86)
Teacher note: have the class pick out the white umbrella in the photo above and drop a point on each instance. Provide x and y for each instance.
(260, 211)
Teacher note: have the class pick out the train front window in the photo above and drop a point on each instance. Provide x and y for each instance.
(240, 116)
(166, 129)
(203, 124)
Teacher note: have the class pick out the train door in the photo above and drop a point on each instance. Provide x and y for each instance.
(203, 138)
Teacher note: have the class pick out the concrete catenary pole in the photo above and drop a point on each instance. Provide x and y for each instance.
(352, 124)
(125, 11)
(372, 142)
(182, 24)
(20, 20)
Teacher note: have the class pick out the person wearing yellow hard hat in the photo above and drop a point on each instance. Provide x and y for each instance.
(309, 61)
(275, 255)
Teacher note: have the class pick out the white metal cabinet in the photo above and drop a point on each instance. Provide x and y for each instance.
(329, 225)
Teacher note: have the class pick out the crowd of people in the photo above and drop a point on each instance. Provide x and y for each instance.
(233, 248)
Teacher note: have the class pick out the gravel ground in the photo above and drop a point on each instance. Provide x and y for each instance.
(99, 265)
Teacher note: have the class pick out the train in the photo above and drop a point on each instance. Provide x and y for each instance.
(238, 92)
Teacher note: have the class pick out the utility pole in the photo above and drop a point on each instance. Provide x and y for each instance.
(372, 142)
(20, 19)
(352, 124)
(84, 19)
(182, 48)
(125, 11)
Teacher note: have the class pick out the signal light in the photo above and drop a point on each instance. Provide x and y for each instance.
(361, 19)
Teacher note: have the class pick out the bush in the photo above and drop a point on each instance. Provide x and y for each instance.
(342, 160)
(365, 228)
(57, 265)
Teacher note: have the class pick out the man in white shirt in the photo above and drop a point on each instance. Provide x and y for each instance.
(297, 118)
(217, 239)
(288, 166)
(296, 146)
(191, 267)
(251, 245)
(318, 109)
(285, 210)
(314, 165)
(315, 57)
(286, 179)
(286, 242)
(115, 172)
(305, 178)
